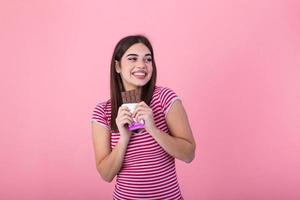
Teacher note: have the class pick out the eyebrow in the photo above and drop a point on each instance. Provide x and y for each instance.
(133, 54)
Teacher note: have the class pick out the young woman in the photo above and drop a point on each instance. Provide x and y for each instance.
(144, 161)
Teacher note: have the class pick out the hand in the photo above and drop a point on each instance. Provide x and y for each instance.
(144, 112)
(124, 118)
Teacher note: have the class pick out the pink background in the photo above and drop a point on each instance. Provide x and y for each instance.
(235, 64)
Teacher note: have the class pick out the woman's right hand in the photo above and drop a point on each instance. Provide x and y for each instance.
(124, 118)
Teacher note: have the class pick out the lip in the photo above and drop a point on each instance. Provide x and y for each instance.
(139, 73)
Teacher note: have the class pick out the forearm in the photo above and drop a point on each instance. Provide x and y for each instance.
(176, 147)
(112, 163)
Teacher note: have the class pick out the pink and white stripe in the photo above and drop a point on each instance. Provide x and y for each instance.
(148, 172)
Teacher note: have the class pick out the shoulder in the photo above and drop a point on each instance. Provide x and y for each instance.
(103, 106)
(101, 113)
(162, 91)
(164, 97)
(102, 109)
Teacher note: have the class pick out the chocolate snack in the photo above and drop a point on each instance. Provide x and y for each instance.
(131, 96)
(130, 99)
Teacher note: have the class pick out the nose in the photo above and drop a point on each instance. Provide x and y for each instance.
(141, 64)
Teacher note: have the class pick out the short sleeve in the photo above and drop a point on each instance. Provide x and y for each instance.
(167, 97)
(99, 116)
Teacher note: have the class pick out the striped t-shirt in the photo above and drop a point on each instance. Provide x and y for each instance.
(148, 171)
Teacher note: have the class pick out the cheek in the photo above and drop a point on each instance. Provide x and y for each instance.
(150, 68)
(126, 69)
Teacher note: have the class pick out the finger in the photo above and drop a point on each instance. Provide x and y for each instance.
(122, 109)
(142, 110)
(141, 116)
(126, 113)
(123, 114)
(142, 107)
(137, 109)
(142, 104)
(126, 120)
(142, 119)
(126, 117)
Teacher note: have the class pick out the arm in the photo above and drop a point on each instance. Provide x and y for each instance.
(180, 143)
(109, 161)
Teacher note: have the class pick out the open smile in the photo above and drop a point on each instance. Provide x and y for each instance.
(140, 74)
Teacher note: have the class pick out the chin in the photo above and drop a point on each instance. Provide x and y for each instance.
(142, 84)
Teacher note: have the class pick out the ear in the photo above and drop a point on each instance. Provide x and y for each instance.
(117, 66)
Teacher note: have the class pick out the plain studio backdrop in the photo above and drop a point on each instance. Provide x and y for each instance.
(235, 64)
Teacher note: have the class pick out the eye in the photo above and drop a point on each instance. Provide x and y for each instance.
(148, 60)
(132, 59)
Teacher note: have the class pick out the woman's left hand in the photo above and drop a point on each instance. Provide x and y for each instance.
(144, 112)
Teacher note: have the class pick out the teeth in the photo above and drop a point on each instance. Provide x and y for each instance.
(139, 73)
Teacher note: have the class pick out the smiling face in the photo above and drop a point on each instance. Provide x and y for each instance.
(135, 67)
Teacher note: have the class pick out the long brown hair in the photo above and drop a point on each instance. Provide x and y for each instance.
(116, 85)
